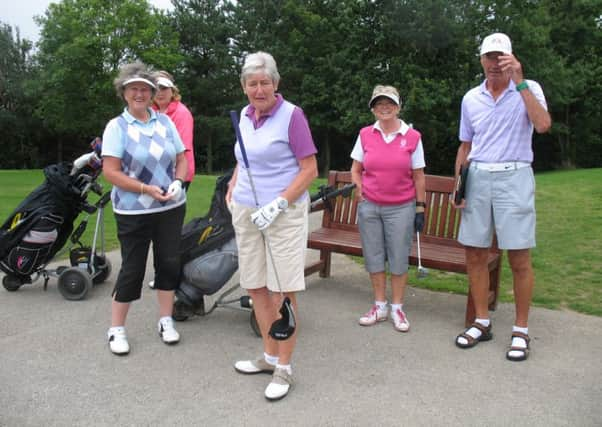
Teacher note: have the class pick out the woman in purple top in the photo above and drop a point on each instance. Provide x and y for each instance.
(282, 160)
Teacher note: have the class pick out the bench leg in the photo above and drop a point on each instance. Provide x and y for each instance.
(494, 290)
(325, 259)
(494, 285)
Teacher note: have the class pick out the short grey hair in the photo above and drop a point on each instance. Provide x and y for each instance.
(129, 71)
(259, 62)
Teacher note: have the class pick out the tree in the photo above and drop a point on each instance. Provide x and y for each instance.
(576, 37)
(17, 126)
(83, 43)
(208, 74)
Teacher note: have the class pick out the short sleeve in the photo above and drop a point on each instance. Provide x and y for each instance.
(112, 140)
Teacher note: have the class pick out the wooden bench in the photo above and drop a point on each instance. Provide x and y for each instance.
(439, 248)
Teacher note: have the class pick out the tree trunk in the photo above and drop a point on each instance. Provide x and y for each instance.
(209, 153)
(567, 148)
(326, 155)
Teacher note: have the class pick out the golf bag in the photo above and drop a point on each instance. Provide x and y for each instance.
(41, 224)
(208, 251)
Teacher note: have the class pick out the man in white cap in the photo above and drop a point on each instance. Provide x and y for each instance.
(496, 129)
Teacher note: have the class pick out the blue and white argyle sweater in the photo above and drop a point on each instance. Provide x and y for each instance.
(150, 159)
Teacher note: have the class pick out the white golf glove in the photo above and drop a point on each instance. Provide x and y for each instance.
(175, 189)
(266, 215)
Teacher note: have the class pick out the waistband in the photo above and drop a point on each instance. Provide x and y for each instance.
(499, 167)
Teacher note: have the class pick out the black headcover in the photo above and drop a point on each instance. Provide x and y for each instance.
(284, 328)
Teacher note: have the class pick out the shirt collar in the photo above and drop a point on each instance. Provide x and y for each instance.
(483, 87)
(251, 110)
(403, 128)
(131, 119)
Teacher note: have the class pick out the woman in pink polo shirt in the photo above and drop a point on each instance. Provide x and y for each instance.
(388, 170)
(167, 101)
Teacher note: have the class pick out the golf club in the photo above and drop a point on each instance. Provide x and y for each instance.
(422, 271)
(283, 328)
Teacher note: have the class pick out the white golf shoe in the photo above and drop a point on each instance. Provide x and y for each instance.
(118, 341)
(166, 329)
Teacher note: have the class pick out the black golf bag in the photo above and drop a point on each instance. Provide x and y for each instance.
(209, 254)
(42, 223)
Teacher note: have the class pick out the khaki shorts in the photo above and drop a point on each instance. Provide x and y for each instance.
(287, 236)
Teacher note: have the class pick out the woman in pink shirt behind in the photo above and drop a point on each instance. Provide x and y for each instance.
(167, 101)
(388, 170)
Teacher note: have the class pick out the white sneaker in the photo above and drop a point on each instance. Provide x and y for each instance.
(374, 315)
(118, 341)
(400, 321)
(168, 333)
(279, 386)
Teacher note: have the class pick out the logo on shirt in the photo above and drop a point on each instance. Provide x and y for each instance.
(403, 142)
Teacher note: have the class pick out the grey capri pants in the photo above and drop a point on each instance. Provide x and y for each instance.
(386, 232)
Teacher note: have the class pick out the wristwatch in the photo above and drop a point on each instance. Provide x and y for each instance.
(282, 203)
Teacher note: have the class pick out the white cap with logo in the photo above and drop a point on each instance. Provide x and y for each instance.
(496, 42)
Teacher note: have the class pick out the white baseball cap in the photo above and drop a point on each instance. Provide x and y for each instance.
(496, 42)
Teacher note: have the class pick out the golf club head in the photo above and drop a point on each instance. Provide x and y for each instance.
(284, 328)
(422, 272)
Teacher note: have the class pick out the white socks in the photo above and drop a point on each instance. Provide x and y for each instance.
(272, 360)
(287, 368)
(518, 342)
(474, 332)
(395, 307)
(381, 305)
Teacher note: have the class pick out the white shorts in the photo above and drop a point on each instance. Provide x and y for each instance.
(504, 200)
(287, 237)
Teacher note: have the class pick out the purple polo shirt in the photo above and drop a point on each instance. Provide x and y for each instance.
(300, 139)
(500, 130)
(274, 144)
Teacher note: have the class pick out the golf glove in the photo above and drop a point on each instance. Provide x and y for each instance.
(175, 189)
(266, 215)
(419, 222)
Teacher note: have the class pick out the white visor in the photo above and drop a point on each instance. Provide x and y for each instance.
(165, 82)
(139, 79)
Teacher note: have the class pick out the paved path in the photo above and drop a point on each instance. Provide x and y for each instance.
(56, 369)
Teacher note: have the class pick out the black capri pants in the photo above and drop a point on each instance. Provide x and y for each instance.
(135, 233)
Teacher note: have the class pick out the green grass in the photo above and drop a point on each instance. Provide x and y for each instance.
(568, 256)
(567, 259)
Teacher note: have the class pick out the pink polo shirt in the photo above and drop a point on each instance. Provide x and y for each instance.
(387, 175)
(182, 118)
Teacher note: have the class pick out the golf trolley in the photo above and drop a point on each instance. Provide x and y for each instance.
(209, 259)
(37, 230)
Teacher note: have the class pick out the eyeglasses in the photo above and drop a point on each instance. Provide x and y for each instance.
(384, 103)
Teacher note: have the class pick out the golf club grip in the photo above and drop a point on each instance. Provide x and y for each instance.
(345, 191)
(234, 118)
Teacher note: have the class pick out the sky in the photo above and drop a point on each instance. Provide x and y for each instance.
(20, 13)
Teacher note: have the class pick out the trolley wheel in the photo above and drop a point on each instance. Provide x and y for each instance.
(102, 266)
(11, 283)
(74, 283)
(181, 311)
(246, 301)
(254, 324)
